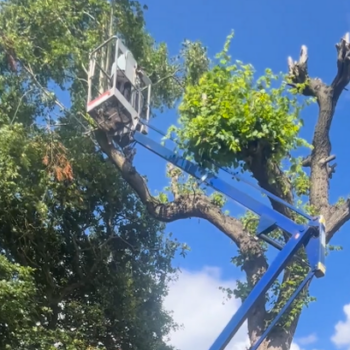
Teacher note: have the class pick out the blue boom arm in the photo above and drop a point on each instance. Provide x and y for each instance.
(311, 236)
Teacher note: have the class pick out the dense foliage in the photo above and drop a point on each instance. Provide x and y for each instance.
(94, 263)
(226, 115)
(82, 265)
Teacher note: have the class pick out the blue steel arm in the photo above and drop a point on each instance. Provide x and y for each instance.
(301, 235)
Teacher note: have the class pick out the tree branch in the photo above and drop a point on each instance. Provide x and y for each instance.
(342, 78)
(331, 170)
(337, 216)
(325, 161)
(298, 75)
(327, 97)
(318, 161)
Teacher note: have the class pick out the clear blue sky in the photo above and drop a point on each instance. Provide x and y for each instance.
(266, 33)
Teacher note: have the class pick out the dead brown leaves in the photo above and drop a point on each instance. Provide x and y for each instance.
(57, 162)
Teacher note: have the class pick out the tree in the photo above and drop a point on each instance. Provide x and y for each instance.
(228, 116)
(60, 284)
(82, 264)
(259, 143)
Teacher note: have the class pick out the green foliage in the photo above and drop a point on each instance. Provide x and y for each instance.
(50, 38)
(52, 43)
(181, 183)
(341, 200)
(333, 248)
(218, 199)
(282, 291)
(17, 289)
(22, 313)
(162, 71)
(298, 177)
(163, 198)
(227, 116)
(83, 263)
(241, 291)
(110, 281)
(196, 61)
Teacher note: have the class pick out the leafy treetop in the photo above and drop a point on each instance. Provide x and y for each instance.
(227, 116)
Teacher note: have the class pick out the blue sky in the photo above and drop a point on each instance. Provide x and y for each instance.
(266, 33)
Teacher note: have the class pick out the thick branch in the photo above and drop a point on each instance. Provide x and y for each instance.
(298, 75)
(197, 205)
(183, 207)
(342, 78)
(337, 216)
(321, 171)
(327, 97)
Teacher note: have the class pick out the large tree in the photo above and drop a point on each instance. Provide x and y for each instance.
(246, 122)
(82, 264)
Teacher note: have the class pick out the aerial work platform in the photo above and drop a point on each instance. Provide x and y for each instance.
(119, 92)
(119, 95)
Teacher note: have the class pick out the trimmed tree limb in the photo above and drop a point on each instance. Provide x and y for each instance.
(342, 78)
(326, 160)
(318, 161)
(298, 74)
(327, 97)
(331, 170)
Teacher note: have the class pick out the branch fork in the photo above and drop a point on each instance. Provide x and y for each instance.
(298, 74)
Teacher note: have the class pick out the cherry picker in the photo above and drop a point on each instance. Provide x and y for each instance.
(119, 95)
